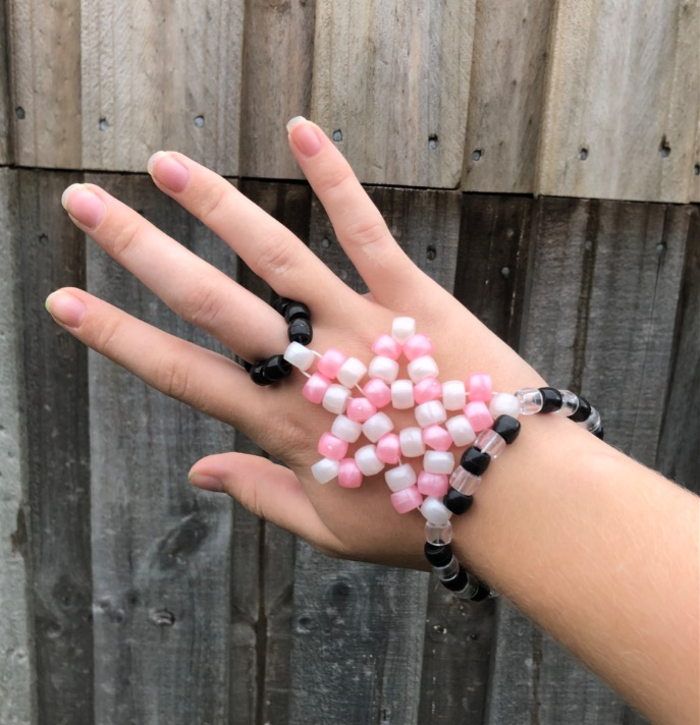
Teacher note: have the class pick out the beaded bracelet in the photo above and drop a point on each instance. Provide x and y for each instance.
(487, 423)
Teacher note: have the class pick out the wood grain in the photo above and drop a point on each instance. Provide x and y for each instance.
(621, 100)
(506, 97)
(160, 75)
(161, 551)
(5, 105)
(391, 87)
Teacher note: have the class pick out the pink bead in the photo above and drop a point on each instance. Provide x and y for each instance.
(478, 414)
(417, 345)
(315, 388)
(329, 363)
(349, 475)
(386, 345)
(332, 447)
(437, 438)
(377, 392)
(479, 387)
(389, 448)
(407, 500)
(359, 409)
(426, 390)
(433, 484)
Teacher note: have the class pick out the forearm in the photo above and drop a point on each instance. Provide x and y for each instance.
(575, 534)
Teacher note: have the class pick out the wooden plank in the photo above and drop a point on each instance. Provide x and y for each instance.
(56, 398)
(695, 183)
(621, 100)
(276, 85)
(506, 95)
(161, 75)
(602, 293)
(160, 548)
(680, 436)
(5, 105)
(44, 53)
(16, 677)
(391, 87)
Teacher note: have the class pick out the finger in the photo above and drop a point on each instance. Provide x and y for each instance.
(194, 289)
(199, 377)
(273, 252)
(361, 230)
(268, 490)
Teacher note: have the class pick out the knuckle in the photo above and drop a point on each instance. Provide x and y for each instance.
(367, 233)
(202, 307)
(106, 336)
(172, 376)
(275, 258)
(213, 200)
(335, 180)
(125, 238)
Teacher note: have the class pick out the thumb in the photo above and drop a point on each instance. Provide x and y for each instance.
(268, 490)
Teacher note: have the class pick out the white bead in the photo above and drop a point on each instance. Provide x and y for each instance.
(367, 461)
(435, 511)
(430, 413)
(454, 395)
(438, 462)
(335, 399)
(402, 394)
(504, 404)
(422, 367)
(400, 477)
(461, 430)
(351, 372)
(411, 442)
(298, 355)
(325, 470)
(384, 368)
(377, 425)
(402, 328)
(346, 429)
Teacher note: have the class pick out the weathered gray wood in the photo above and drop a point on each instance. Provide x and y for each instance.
(16, 663)
(5, 105)
(55, 393)
(161, 549)
(680, 436)
(602, 292)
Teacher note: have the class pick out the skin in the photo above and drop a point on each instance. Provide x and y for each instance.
(598, 550)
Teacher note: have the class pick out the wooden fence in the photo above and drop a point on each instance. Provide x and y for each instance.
(541, 159)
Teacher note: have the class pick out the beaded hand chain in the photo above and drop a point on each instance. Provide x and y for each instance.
(484, 423)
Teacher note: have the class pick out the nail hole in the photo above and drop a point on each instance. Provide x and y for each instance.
(199, 121)
(432, 141)
(477, 154)
(660, 249)
(440, 629)
(583, 153)
(43, 238)
(337, 135)
(161, 617)
(473, 636)
(696, 169)
(431, 252)
(325, 242)
(19, 112)
(505, 272)
(664, 147)
(102, 124)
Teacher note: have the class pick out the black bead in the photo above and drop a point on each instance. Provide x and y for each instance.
(551, 400)
(257, 375)
(457, 502)
(507, 427)
(299, 330)
(458, 582)
(275, 368)
(247, 365)
(280, 304)
(584, 410)
(438, 554)
(475, 461)
(598, 432)
(296, 309)
(482, 593)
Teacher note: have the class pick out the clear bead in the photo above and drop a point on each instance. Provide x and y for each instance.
(592, 423)
(448, 571)
(438, 533)
(488, 441)
(469, 589)
(464, 482)
(569, 403)
(530, 400)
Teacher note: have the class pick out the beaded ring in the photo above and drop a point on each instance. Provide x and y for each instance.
(485, 423)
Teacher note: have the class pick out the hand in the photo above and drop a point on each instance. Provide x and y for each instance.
(358, 523)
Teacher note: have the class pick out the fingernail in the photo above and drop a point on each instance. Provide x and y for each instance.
(208, 483)
(83, 205)
(168, 171)
(65, 308)
(305, 136)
